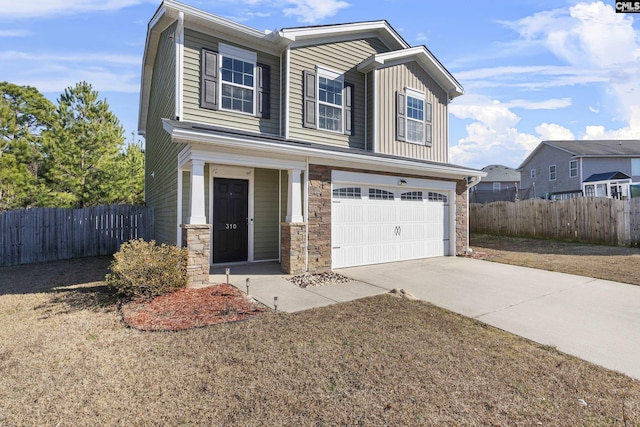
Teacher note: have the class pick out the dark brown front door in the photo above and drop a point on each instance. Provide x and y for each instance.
(230, 219)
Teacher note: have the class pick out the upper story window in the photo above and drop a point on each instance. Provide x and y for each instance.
(552, 173)
(414, 117)
(635, 167)
(573, 168)
(232, 80)
(327, 101)
(496, 187)
(330, 108)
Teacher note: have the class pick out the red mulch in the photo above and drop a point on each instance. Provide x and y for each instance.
(191, 308)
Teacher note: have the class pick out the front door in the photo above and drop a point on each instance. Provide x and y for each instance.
(230, 219)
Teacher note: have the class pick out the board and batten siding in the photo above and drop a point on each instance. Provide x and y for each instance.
(161, 154)
(342, 57)
(266, 221)
(194, 42)
(396, 78)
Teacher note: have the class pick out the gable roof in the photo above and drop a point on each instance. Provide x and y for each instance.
(607, 176)
(500, 173)
(591, 148)
(424, 58)
(277, 41)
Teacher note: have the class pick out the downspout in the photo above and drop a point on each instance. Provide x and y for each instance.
(179, 43)
(287, 91)
(376, 120)
(366, 105)
(280, 110)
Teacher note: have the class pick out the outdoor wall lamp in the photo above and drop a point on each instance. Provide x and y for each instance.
(402, 182)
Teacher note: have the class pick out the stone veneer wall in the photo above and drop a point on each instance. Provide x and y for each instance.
(319, 219)
(462, 217)
(197, 239)
(293, 239)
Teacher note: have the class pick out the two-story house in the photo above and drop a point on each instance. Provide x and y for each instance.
(500, 185)
(563, 169)
(320, 147)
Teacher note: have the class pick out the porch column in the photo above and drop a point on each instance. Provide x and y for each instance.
(196, 213)
(294, 230)
(294, 201)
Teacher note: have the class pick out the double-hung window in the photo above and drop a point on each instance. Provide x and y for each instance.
(413, 117)
(552, 173)
(330, 107)
(237, 79)
(573, 168)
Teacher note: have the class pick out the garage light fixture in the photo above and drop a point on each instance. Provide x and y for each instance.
(402, 182)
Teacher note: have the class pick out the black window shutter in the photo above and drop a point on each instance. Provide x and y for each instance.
(309, 119)
(209, 79)
(427, 125)
(349, 90)
(264, 91)
(401, 113)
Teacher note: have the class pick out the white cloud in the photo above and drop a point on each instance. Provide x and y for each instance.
(15, 33)
(547, 104)
(552, 131)
(47, 8)
(311, 11)
(421, 37)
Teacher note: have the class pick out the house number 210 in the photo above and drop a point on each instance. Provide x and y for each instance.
(232, 226)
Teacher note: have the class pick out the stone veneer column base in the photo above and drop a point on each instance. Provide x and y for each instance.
(462, 218)
(197, 239)
(293, 247)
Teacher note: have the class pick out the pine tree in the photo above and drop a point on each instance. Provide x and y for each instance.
(82, 148)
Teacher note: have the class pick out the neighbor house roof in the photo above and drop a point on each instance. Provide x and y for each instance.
(500, 173)
(607, 176)
(591, 148)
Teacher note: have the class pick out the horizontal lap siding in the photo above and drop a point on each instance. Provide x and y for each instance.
(266, 221)
(193, 44)
(342, 57)
(393, 79)
(161, 154)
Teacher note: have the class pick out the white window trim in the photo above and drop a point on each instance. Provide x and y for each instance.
(496, 187)
(225, 50)
(332, 75)
(571, 168)
(555, 172)
(413, 93)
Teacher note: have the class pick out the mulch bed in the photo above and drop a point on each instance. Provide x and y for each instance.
(191, 308)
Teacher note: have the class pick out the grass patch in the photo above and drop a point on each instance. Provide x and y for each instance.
(619, 264)
(377, 361)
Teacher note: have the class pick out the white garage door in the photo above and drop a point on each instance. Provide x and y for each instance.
(374, 224)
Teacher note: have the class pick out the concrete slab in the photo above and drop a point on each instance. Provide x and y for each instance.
(596, 320)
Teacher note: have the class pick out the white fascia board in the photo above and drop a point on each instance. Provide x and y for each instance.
(421, 55)
(380, 29)
(319, 156)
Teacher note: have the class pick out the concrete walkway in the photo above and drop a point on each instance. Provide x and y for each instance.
(593, 319)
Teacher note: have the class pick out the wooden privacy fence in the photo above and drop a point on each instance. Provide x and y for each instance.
(49, 234)
(585, 219)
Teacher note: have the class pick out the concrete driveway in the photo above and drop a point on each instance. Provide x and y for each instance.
(593, 319)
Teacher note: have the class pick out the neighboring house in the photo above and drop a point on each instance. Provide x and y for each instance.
(564, 169)
(500, 185)
(321, 146)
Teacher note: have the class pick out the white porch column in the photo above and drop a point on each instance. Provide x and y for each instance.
(196, 212)
(294, 201)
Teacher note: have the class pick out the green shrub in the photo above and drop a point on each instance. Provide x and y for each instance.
(145, 269)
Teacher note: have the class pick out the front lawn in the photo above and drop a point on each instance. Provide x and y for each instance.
(66, 359)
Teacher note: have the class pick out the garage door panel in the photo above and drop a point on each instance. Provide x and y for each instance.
(381, 229)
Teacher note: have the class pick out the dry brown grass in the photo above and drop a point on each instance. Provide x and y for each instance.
(67, 360)
(620, 264)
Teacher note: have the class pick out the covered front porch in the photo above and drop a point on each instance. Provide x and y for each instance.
(235, 208)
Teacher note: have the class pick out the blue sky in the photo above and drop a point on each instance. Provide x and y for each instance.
(532, 69)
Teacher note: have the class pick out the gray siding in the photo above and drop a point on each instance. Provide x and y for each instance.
(161, 155)
(266, 221)
(546, 157)
(193, 44)
(602, 165)
(393, 79)
(342, 57)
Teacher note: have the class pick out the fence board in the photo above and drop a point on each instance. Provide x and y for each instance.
(49, 234)
(585, 219)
